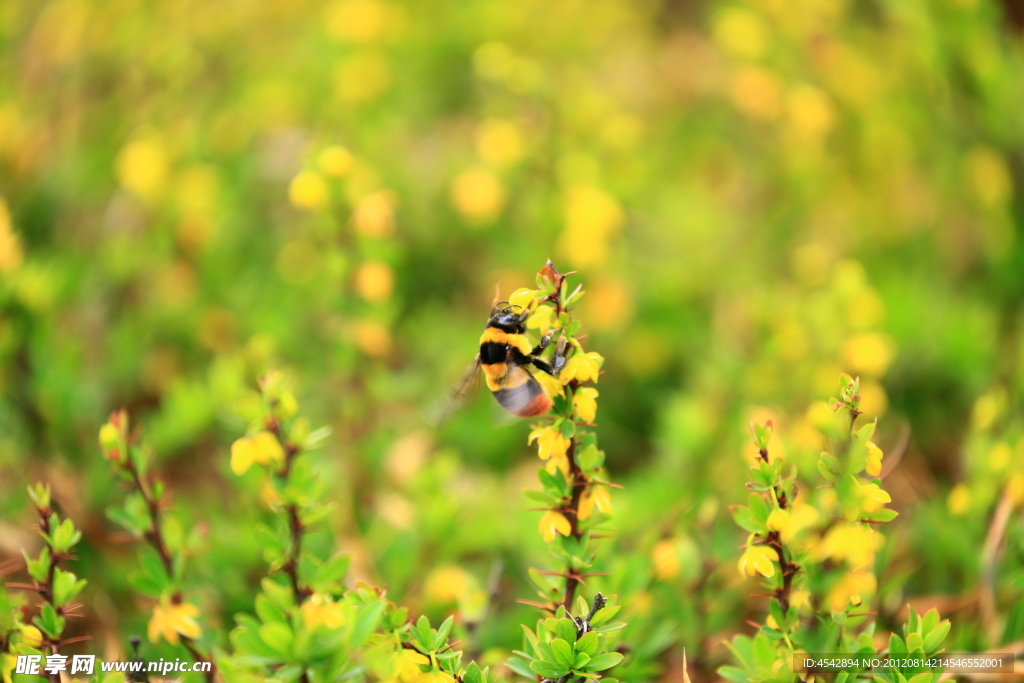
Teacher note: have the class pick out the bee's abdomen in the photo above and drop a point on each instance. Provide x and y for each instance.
(526, 399)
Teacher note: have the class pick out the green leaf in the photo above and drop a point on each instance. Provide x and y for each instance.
(66, 586)
(581, 660)
(745, 519)
(279, 594)
(758, 508)
(520, 666)
(605, 661)
(278, 637)
(731, 673)
(153, 567)
(604, 614)
(934, 638)
(49, 622)
(542, 497)
(590, 458)
(562, 651)
(472, 674)
(366, 623)
(424, 632)
(268, 612)
(587, 643)
(442, 633)
(331, 571)
(64, 536)
(38, 568)
(547, 669)
(883, 515)
(566, 630)
(608, 628)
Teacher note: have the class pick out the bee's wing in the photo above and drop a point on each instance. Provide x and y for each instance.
(466, 390)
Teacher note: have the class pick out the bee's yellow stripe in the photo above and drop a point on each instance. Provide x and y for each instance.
(498, 336)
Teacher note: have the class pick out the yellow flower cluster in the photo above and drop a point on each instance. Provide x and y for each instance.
(172, 620)
(261, 448)
(551, 446)
(320, 609)
(596, 497)
(552, 524)
(758, 559)
(850, 541)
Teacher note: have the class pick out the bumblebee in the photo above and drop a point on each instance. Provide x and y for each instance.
(509, 362)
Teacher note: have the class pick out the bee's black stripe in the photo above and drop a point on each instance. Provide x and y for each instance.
(492, 352)
(518, 357)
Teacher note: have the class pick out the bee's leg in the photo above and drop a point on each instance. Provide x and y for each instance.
(547, 367)
(545, 340)
(558, 360)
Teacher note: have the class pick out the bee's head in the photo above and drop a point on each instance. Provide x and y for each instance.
(509, 317)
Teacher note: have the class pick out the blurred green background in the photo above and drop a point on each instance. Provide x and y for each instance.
(757, 195)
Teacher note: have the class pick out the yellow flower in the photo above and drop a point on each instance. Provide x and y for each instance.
(308, 190)
(799, 518)
(374, 215)
(552, 524)
(758, 559)
(850, 589)
(335, 161)
(868, 353)
(261, 448)
(740, 32)
(852, 541)
(110, 438)
(142, 167)
(522, 297)
(584, 402)
(558, 462)
(801, 599)
(321, 609)
(372, 338)
(875, 455)
(478, 195)
(30, 635)
(592, 218)
(11, 252)
(872, 497)
(170, 620)
(287, 406)
(447, 584)
(779, 520)
(375, 281)
(7, 666)
(541, 319)
(595, 497)
(1015, 488)
(409, 668)
(582, 367)
(959, 500)
(357, 21)
(499, 143)
(550, 442)
(665, 558)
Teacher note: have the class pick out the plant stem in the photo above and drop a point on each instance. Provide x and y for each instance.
(155, 537)
(571, 581)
